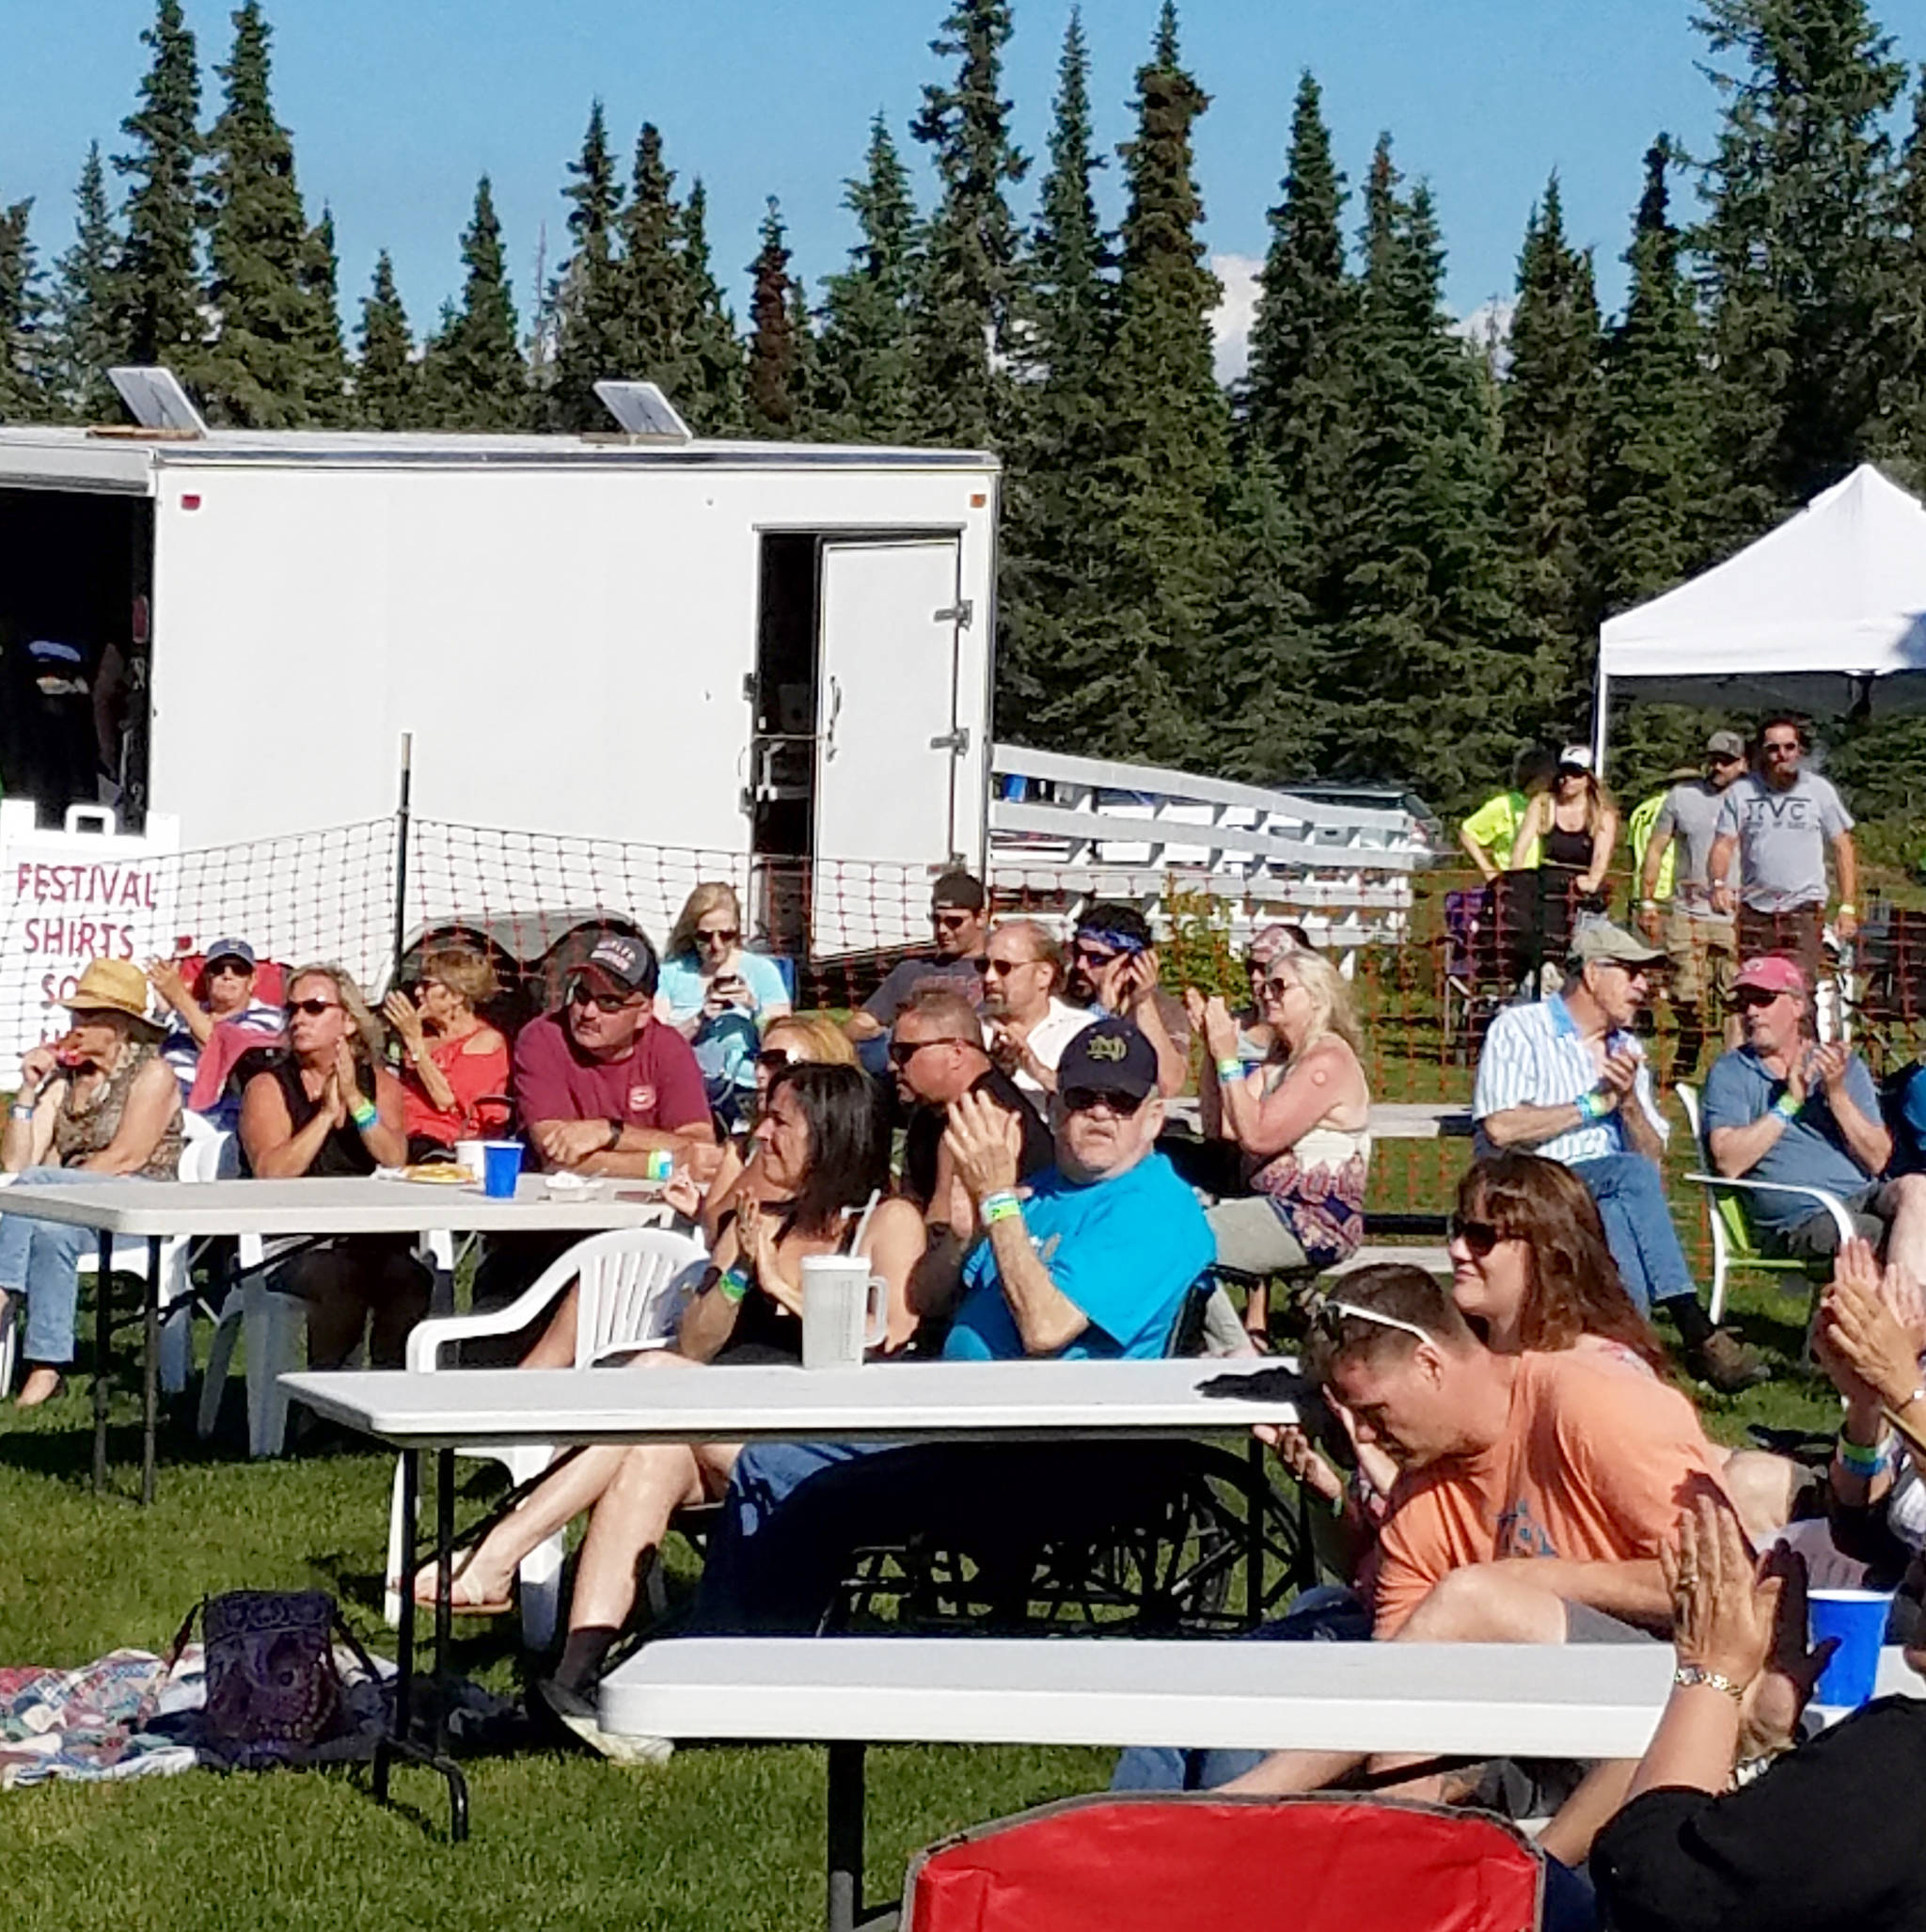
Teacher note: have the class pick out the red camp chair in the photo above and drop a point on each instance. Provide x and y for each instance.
(1147, 1863)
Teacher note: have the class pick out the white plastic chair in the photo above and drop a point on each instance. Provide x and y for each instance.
(1730, 1224)
(635, 1283)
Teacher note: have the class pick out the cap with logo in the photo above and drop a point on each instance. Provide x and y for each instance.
(1577, 756)
(1770, 973)
(1109, 1056)
(1600, 940)
(230, 949)
(1725, 746)
(625, 960)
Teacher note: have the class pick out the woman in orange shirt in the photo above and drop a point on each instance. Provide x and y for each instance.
(455, 1073)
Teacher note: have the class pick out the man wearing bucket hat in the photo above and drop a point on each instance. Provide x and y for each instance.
(1784, 1109)
(1566, 1078)
(1698, 938)
(101, 1103)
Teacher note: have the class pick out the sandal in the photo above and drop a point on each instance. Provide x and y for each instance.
(459, 1606)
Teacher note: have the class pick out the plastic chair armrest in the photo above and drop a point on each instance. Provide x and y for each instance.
(427, 1338)
(1830, 1202)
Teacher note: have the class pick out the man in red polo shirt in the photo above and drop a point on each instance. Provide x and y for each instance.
(600, 1084)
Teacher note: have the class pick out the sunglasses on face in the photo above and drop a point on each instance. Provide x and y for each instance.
(228, 968)
(1748, 997)
(1092, 956)
(1329, 1318)
(1275, 987)
(904, 1050)
(724, 935)
(580, 993)
(998, 968)
(1480, 1237)
(1777, 748)
(1087, 1099)
(950, 922)
(313, 1009)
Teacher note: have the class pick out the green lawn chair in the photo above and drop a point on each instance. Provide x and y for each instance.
(1734, 1243)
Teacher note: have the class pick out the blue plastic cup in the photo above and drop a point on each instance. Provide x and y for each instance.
(501, 1167)
(1858, 1619)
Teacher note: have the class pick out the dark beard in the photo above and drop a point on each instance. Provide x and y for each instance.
(1780, 776)
(1078, 988)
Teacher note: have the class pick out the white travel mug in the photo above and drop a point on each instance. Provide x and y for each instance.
(468, 1154)
(845, 1310)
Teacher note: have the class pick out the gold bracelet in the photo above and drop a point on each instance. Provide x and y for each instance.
(1689, 1676)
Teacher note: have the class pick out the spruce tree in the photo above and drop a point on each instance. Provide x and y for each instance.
(1168, 457)
(1293, 398)
(1899, 433)
(1655, 473)
(654, 299)
(385, 385)
(326, 354)
(157, 297)
(267, 366)
(966, 293)
(1056, 511)
(474, 377)
(772, 346)
(863, 354)
(1550, 410)
(81, 345)
(1426, 690)
(711, 363)
(588, 295)
(1792, 245)
(23, 390)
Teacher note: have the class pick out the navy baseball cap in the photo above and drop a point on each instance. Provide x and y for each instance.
(1109, 1056)
(232, 949)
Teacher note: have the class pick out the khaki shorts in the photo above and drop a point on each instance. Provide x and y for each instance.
(1705, 960)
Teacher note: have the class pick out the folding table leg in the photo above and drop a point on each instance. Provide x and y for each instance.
(151, 1369)
(104, 1354)
(404, 1708)
(846, 1836)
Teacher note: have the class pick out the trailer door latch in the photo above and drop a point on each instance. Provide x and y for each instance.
(955, 742)
(961, 613)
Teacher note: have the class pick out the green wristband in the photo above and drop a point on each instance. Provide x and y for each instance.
(363, 1115)
(1786, 1107)
(999, 1206)
(1228, 1070)
(734, 1284)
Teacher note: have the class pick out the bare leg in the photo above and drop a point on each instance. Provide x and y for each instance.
(625, 1533)
(1587, 1811)
(556, 1349)
(1760, 1485)
(1906, 1246)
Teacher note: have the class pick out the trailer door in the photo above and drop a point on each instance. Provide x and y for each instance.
(888, 747)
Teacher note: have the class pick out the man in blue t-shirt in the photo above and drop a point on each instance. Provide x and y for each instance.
(1785, 1110)
(1093, 1262)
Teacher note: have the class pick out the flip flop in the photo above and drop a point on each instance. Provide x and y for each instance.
(460, 1606)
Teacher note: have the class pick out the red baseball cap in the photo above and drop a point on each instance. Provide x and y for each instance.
(1771, 972)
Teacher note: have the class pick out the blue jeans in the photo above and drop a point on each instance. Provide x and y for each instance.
(41, 1259)
(1630, 1195)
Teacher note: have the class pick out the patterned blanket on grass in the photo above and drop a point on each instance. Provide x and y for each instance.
(127, 1715)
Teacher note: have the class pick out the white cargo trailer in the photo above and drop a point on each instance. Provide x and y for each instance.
(780, 652)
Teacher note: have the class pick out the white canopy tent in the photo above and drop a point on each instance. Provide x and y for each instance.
(1826, 613)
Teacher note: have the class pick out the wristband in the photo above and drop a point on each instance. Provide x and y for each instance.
(17, 1112)
(1593, 1105)
(1228, 1070)
(658, 1163)
(1847, 907)
(734, 1284)
(1858, 1459)
(999, 1206)
(1687, 1676)
(363, 1115)
(1786, 1107)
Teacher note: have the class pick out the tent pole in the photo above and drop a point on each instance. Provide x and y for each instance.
(1600, 715)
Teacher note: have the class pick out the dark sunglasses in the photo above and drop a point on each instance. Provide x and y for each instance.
(951, 921)
(1749, 996)
(1276, 987)
(1092, 956)
(904, 1050)
(582, 994)
(313, 1008)
(773, 1059)
(727, 937)
(229, 968)
(998, 968)
(1480, 1237)
(1086, 1099)
(1773, 748)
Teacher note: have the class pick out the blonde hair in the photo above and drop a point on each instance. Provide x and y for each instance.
(1331, 1010)
(464, 972)
(709, 895)
(820, 1036)
(369, 1042)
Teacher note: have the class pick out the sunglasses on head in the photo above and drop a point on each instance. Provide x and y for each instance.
(1329, 1318)
(773, 1059)
(314, 1007)
(1480, 1237)
(722, 936)
(580, 993)
(1086, 1099)
(904, 1050)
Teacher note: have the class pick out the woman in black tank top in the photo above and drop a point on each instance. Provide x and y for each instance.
(822, 1161)
(1575, 826)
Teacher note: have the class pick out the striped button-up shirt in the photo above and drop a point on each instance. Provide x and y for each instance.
(1535, 1056)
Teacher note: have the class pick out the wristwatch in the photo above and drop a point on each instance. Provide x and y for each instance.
(614, 1140)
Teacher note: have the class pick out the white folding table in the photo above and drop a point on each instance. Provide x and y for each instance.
(898, 1402)
(156, 1209)
(1455, 1700)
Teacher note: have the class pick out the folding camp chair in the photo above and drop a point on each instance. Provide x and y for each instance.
(1156, 1863)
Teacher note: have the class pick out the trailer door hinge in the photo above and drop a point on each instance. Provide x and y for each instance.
(956, 742)
(962, 614)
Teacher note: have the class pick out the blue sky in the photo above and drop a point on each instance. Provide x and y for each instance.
(397, 105)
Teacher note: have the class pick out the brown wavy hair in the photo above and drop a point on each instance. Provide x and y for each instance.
(1574, 1287)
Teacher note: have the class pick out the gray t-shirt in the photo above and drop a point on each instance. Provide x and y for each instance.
(1782, 838)
(1690, 815)
(1812, 1151)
